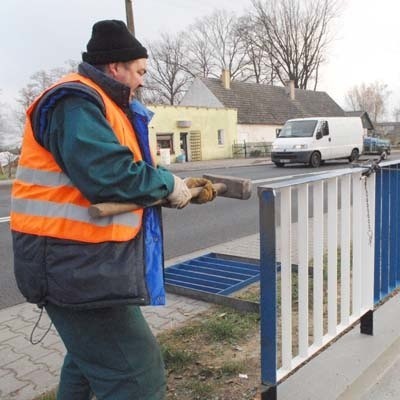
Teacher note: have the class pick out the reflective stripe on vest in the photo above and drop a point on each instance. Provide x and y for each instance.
(43, 178)
(46, 202)
(70, 211)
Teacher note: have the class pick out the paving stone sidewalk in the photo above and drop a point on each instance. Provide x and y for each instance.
(27, 371)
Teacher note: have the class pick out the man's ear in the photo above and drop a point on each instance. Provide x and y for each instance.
(113, 69)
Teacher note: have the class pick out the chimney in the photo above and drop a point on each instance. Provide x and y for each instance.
(290, 89)
(226, 79)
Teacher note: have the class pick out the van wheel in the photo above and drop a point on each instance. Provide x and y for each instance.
(315, 159)
(354, 155)
(279, 164)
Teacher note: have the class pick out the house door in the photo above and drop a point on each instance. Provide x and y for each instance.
(184, 145)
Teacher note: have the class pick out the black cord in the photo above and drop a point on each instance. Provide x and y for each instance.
(36, 326)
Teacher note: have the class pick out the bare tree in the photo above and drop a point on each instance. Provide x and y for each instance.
(199, 54)
(214, 43)
(7, 162)
(371, 98)
(8, 131)
(296, 35)
(3, 126)
(229, 49)
(396, 114)
(168, 78)
(38, 82)
(259, 68)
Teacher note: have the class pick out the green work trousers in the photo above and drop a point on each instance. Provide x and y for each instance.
(111, 353)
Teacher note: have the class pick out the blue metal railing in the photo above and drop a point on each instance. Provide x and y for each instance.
(279, 239)
(379, 200)
(268, 287)
(387, 230)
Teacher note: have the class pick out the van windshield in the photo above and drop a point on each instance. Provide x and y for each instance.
(298, 129)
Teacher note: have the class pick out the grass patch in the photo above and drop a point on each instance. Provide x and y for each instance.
(198, 390)
(176, 359)
(228, 326)
(232, 368)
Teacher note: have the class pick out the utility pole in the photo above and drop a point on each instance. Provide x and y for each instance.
(129, 16)
(130, 23)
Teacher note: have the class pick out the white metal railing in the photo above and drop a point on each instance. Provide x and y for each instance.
(316, 245)
(4, 219)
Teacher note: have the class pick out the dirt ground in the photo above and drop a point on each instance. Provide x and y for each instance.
(216, 357)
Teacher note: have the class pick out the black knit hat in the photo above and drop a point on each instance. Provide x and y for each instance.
(112, 42)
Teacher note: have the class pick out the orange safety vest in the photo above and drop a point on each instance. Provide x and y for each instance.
(46, 203)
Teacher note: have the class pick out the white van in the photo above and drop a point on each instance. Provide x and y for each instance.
(312, 140)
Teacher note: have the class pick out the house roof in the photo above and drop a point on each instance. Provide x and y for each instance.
(266, 104)
(388, 127)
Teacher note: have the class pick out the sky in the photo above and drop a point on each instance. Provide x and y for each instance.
(43, 34)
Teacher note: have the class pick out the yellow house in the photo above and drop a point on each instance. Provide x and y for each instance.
(192, 133)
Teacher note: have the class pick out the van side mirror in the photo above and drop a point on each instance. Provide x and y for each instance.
(318, 135)
(277, 131)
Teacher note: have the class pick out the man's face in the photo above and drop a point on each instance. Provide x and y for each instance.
(130, 73)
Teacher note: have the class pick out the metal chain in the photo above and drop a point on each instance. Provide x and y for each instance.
(365, 175)
(369, 232)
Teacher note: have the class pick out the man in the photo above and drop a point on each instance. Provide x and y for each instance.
(85, 142)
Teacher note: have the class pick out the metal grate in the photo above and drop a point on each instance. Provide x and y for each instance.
(214, 273)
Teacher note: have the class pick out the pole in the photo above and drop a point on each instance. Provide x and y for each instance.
(129, 16)
(130, 23)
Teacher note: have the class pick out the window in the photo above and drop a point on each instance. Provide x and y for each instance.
(293, 129)
(165, 141)
(221, 134)
(325, 128)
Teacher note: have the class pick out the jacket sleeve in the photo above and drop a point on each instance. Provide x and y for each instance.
(85, 147)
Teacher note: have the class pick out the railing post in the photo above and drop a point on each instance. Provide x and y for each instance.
(269, 392)
(378, 237)
(367, 323)
(385, 233)
(393, 242)
(268, 306)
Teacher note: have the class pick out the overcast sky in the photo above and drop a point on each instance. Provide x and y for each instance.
(43, 34)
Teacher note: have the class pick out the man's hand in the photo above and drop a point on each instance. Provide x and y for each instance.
(207, 194)
(180, 196)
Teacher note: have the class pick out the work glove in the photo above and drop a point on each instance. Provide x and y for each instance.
(208, 192)
(180, 196)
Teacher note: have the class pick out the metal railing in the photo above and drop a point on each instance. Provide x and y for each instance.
(251, 149)
(317, 265)
(387, 230)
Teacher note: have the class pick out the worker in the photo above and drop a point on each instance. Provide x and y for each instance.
(85, 142)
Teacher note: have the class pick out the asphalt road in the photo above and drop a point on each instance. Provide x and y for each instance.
(188, 230)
